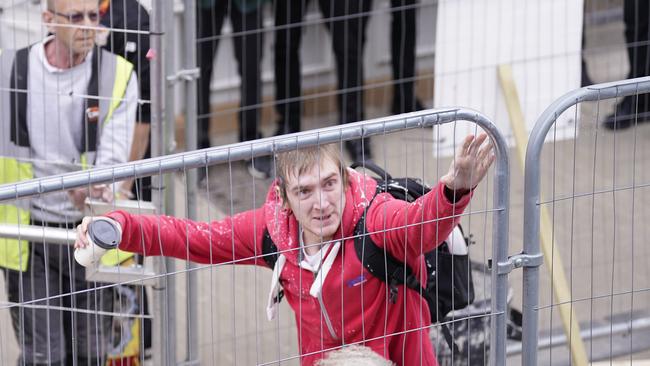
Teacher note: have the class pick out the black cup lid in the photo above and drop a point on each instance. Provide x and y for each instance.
(104, 234)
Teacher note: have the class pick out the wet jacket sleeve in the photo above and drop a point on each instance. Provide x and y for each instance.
(410, 229)
(235, 239)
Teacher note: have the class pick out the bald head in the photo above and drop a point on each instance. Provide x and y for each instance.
(73, 24)
(57, 4)
(54, 4)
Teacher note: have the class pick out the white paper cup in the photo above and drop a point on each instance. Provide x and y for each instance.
(103, 235)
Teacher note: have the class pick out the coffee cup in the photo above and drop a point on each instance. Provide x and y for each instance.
(103, 235)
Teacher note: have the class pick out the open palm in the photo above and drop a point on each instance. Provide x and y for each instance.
(471, 163)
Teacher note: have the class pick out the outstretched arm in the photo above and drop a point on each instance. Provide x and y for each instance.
(409, 229)
(234, 239)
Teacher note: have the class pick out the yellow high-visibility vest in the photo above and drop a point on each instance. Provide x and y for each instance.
(111, 77)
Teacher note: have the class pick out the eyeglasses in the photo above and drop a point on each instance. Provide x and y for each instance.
(78, 17)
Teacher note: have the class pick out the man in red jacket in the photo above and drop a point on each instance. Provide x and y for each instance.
(310, 214)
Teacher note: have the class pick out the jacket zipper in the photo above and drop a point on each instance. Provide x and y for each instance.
(328, 322)
(319, 296)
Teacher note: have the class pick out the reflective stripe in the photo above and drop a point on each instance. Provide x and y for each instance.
(122, 72)
(84, 161)
(14, 254)
(123, 69)
(114, 257)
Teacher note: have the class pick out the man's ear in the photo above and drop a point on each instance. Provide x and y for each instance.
(48, 18)
(278, 193)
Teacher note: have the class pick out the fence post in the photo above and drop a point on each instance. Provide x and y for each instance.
(190, 86)
(163, 333)
(168, 145)
(499, 238)
(532, 181)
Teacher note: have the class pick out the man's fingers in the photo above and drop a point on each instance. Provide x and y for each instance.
(82, 229)
(97, 191)
(476, 144)
(485, 150)
(107, 195)
(467, 143)
(103, 192)
(78, 196)
(481, 138)
(486, 162)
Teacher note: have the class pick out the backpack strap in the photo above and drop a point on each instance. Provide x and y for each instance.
(18, 97)
(270, 255)
(18, 100)
(269, 250)
(90, 116)
(384, 266)
(394, 272)
(371, 166)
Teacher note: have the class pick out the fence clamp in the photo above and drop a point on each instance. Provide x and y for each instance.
(518, 261)
(184, 75)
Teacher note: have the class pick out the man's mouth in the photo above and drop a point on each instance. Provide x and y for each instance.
(323, 218)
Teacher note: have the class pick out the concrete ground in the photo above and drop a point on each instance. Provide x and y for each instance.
(596, 189)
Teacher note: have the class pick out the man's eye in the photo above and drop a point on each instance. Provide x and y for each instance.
(330, 183)
(304, 192)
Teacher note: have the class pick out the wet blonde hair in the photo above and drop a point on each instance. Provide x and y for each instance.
(293, 163)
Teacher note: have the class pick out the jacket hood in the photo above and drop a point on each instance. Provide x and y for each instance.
(283, 226)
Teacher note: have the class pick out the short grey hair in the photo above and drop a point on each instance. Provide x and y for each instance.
(51, 4)
(354, 355)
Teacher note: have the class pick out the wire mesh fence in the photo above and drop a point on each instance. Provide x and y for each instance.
(244, 69)
(585, 199)
(229, 304)
(75, 94)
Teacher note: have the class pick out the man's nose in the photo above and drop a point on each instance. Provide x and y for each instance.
(87, 22)
(322, 203)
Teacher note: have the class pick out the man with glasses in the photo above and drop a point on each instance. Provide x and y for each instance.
(65, 105)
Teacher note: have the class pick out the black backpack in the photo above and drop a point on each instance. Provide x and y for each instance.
(449, 277)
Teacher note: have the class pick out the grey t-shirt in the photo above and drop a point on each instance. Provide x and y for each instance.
(54, 120)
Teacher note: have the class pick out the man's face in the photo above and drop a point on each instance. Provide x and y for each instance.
(73, 16)
(317, 200)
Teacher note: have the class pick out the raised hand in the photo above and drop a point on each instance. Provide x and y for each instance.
(99, 191)
(82, 229)
(471, 163)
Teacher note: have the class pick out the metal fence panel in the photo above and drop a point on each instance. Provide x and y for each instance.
(226, 297)
(594, 188)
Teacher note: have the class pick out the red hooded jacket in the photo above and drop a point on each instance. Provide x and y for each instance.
(353, 306)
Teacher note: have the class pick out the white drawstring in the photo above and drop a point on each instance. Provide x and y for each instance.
(272, 305)
(316, 287)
